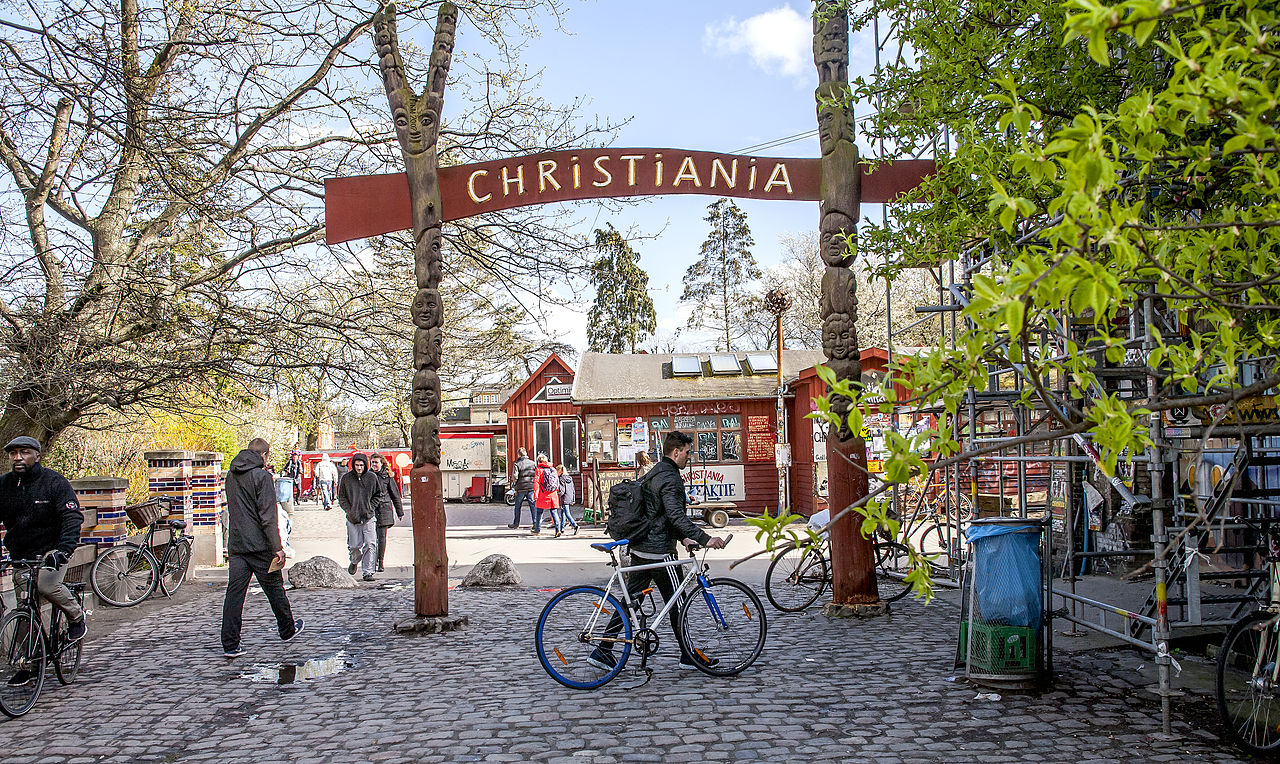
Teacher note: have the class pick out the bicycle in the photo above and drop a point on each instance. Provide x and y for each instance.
(720, 623)
(26, 645)
(1248, 676)
(798, 575)
(128, 573)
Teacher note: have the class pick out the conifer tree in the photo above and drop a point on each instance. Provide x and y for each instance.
(719, 283)
(622, 315)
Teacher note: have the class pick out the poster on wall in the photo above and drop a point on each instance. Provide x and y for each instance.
(626, 442)
(465, 454)
(760, 439)
(820, 429)
(601, 437)
(820, 479)
(717, 483)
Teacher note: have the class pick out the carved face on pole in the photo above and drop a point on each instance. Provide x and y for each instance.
(424, 400)
(416, 123)
(839, 292)
(427, 309)
(428, 346)
(835, 125)
(426, 440)
(839, 337)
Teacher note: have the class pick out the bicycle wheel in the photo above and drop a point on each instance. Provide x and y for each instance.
(173, 567)
(124, 575)
(22, 669)
(893, 563)
(1247, 682)
(572, 628)
(796, 578)
(723, 627)
(66, 657)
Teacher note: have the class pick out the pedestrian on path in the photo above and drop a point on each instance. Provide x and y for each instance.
(522, 482)
(389, 508)
(325, 476)
(359, 493)
(546, 495)
(254, 546)
(567, 497)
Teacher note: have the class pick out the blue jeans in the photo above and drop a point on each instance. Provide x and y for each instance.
(521, 497)
(564, 518)
(326, 492)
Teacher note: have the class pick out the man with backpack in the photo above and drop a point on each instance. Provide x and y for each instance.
(546, 495)
(653, 539)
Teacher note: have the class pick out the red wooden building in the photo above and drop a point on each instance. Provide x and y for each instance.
(542, 418)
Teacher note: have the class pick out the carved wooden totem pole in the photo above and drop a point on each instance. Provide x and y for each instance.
(417, 123)
(853, 577)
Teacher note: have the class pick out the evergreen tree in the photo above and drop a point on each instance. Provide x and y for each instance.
(622, 315)
(719, 284)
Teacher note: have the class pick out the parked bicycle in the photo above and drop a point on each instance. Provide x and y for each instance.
(1248, 680)
(720, 623)
(128, 573)
(799, 575)
(932, 516)
(27, 646)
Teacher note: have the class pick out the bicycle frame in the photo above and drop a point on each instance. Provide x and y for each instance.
(697, 572)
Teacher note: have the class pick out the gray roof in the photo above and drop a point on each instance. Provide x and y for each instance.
(622, 377)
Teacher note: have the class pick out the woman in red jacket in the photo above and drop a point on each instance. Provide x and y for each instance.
(546, 494)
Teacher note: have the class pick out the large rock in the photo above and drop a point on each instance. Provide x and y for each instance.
(320, 573)
(494, 570)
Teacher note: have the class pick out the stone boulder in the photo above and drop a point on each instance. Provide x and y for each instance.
(494, 570)
(320, 573)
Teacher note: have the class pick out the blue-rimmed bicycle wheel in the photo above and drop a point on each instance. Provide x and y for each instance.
(573, 640)
(723, 626)
(22, 662)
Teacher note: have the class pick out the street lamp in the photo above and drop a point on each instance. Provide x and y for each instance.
(777, 302)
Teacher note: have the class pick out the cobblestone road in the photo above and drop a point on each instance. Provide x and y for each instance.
(158, 689)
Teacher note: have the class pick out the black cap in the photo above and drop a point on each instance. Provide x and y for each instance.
(23, 441)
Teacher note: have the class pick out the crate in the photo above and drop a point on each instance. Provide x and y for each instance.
(144, 514)
(999, 649)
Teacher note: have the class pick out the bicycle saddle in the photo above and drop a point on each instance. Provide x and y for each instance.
(610, 545)
(177, 524)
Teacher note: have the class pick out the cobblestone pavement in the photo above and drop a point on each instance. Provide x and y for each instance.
(158, 689)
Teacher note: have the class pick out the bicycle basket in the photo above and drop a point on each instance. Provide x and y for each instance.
(144, 514)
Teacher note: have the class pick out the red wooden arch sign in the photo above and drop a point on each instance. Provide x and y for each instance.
(369, 205)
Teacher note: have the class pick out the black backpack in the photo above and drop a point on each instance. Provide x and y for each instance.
(629, 515)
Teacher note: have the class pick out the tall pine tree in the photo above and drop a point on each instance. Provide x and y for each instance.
(719, 284)
(622, 315)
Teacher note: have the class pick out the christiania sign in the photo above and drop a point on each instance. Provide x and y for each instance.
(358, 207)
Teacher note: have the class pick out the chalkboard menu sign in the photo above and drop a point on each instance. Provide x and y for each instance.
(760, 437)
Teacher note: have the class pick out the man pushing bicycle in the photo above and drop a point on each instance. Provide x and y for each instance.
(42, 520)
(665, 499)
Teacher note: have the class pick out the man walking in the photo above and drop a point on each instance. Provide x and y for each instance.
(524, 470)
(326, 479)
(359, 493)
(42, 520)
(254, 546)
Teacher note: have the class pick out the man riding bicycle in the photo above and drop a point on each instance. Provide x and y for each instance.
(42, 519)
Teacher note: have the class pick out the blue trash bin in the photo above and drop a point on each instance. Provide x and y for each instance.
(284, 490)
(1006, 565)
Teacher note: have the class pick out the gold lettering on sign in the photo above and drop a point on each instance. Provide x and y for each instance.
(657, 170)
(751, 184)
(471, 187)
(608, 176)
(631, 160)
(577, 173)
(507, 180)
(687, 172)
(730, 180)
(545, 168)
(778, 177)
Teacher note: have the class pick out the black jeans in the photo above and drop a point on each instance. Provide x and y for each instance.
(382, 544)
(666, 580)
(243, 567)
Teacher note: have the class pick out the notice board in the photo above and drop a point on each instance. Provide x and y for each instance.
(760, 438)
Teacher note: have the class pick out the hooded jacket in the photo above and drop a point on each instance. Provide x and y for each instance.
(360, 495)
(543, 499)
(665, 500)
(524, 469)
(389, 508)
(40, 513)
(251, 506)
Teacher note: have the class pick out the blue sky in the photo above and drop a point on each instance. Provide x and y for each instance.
(707, 75)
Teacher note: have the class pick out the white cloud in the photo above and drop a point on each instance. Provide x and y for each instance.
(779, 41)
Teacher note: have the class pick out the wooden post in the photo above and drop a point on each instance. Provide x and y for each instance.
(852, 557)
(417, 122)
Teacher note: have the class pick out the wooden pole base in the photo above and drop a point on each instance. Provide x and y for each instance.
(430, 562)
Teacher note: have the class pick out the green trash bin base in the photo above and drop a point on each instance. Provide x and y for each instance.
(1001, 656)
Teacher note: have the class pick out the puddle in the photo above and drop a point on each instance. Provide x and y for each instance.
(292, 673)
(393, 587)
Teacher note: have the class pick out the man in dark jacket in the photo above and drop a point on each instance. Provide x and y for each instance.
(253, 545)
(524, 471)
(42, 520)
(668, 522)
(389, 508)
(359, 494)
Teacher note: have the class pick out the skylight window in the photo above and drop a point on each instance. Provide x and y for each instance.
(725, 364)
(686, 366)
(762, 363)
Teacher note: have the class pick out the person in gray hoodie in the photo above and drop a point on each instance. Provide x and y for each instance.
(360, 492)
(253, 545)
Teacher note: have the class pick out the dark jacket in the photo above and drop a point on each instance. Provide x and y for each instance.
(360, 495)
(524, 469)
(665, 499)
(40, 513)
(251, 506)
(389, 507)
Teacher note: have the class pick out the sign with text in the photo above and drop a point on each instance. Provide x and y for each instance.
(760, 439)
(717, 483)
(465, 454)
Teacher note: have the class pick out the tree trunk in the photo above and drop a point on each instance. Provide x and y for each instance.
(26, 412)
